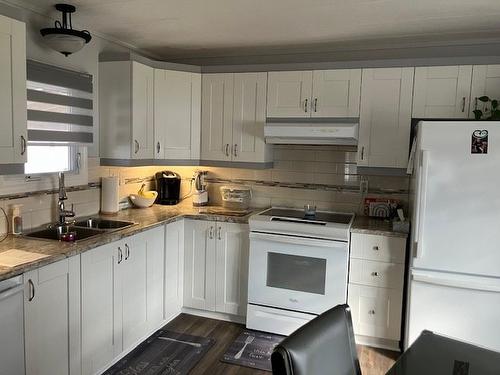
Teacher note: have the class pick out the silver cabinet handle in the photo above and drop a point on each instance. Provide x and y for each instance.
(375, 248)
(211, 232)
(374, 273)
(363, 153)
(120, 255)
(227, 149)
(32, 290)
(158, 147)
(137, 146)
(475, 103)
(306, 102)
(127, 252)
(463, 104)
(371, 312)
(219, 233)
(315, 104)
(23, 145)
(235, 150)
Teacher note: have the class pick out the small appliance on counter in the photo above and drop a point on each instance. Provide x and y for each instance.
(168, 186)
(200, 194)
(236, 198)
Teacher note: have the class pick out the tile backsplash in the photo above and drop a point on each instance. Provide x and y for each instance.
(322, 175)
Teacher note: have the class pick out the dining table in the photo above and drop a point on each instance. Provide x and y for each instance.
(434, 354)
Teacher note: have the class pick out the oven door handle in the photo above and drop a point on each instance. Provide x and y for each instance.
(296, 240)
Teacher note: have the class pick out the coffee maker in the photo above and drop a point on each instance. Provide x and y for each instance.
(200, 194)
(168, 186)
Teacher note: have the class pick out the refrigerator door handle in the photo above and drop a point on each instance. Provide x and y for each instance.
(464, 283)
(421, 202)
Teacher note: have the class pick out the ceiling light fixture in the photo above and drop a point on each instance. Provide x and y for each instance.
(62, 37)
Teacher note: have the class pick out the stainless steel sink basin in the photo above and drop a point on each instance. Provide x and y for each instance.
(80, 230)
(103, 224)
(55, 233)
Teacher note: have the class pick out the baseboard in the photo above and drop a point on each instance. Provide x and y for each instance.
(215, 315)
(376, 342)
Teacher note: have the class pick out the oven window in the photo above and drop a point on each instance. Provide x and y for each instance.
(304, 274)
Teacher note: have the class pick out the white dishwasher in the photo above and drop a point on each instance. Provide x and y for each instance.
(12, 326)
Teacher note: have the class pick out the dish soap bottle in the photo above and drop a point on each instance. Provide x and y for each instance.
(17, 220)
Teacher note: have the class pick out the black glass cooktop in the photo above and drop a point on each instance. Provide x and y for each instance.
(328, 217)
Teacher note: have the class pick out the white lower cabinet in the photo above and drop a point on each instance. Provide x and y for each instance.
(375, 292)
(216, 266)
(122, 296)
(174, 266)
(52, 318)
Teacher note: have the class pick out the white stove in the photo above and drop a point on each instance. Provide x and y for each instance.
(298, 267)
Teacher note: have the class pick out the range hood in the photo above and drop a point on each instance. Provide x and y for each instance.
(312, 131)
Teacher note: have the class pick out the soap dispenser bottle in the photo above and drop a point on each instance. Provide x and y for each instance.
(17, 220)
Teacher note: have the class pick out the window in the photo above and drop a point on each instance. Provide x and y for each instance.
(51, 159)
(60, 118)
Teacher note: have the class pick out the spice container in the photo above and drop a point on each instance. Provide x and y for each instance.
(17, 220)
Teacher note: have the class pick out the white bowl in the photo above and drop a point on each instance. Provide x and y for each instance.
(142, 202)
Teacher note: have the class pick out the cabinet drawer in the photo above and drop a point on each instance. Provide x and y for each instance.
(379, 248)
(368, 272)
(376, 312)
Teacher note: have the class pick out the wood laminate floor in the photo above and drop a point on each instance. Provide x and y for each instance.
(373, 361)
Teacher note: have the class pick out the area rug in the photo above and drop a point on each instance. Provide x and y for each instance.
(252, 349)
(164, 352)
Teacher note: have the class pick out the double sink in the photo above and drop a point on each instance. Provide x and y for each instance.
(80, 230)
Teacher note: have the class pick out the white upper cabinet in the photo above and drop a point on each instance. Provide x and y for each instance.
(142, 111)
(217, 116)
(177, 110)
(233, 117)
(52, 318)
(126, 110)
(442, 92)
(13, 114)
(318, 93)
(249, 117)
(289, 94)
(336, 93)
(385, 117)
(485, 81)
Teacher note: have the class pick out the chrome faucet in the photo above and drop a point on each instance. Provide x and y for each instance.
(62, 212)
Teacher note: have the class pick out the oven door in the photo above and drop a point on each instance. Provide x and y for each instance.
(297, 273)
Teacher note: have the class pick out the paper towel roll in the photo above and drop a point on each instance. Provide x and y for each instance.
(110, 195)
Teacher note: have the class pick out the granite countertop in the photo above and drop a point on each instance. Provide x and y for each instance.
(372, 225)
(145, 219)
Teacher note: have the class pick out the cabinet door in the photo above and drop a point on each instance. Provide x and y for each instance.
(155, 258)
(13, 94)
(199, 264)
(176, 122)
(133, 279)
(142, 111)
(485, 81)
(289, 94)
(232, 268)
(336, 93)
(52, 318)
(376, 312)
(174, 266)
(385, 117)
(442, 92)
(249, 118)
(101, 322)
(217, 116)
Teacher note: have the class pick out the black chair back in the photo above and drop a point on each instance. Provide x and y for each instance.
(324, 346)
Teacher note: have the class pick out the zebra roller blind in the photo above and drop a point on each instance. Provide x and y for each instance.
(60, 105)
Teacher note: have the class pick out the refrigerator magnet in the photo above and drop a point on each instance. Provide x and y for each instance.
(479, 144)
